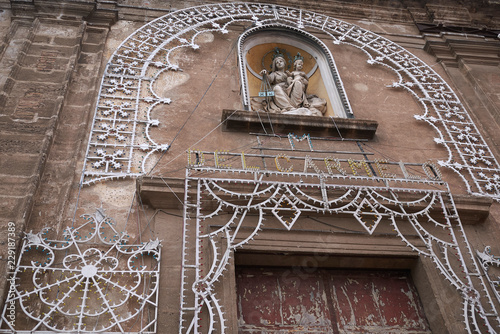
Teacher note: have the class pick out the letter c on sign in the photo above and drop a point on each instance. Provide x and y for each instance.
(278, 166)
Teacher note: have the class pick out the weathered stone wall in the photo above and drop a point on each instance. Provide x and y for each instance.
(33, 94)
(50, 65)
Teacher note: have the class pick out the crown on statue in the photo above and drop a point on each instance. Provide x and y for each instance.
(298, 57)
(277, 53)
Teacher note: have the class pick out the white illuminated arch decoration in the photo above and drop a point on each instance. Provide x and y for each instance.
(121, 145)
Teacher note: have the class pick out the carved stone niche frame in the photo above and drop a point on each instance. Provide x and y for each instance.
(302, 40)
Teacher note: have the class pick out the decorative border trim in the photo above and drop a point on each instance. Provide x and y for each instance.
(487, 261)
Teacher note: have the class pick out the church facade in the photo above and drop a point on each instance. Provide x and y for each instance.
(250, 167)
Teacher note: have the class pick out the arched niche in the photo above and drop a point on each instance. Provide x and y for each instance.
(256, 48)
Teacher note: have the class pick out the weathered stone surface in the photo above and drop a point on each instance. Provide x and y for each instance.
(250, 121)
(14, 185)
(18, 162)
(13, 208)
(37, 69)
(51, 63)
(67, 145)
(20, 145)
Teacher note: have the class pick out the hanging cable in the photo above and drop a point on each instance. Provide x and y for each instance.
(261, 123)
(183, 152)
(195, 108)
(335, 123)
(182, 203)
(271, 124)
(145, 216)
(266, 91)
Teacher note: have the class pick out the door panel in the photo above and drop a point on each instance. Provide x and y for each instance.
(276, 300)
(376, 302)
(289, 300)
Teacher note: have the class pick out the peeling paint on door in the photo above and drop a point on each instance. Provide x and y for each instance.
(283, 300)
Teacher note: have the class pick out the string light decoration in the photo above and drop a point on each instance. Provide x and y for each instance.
(292, 137)
(368, 216)
(223, 213)
(381, 169)
(333, 166)
(145, 54)
(91, 281)
(491, 269)
(278, 165)
(358, 165)
(286, 212)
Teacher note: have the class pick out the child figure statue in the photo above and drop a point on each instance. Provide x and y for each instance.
(297, 84)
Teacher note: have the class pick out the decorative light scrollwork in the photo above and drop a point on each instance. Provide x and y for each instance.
(421, 213)
(491, 268)
(137, 63)
(92, 281)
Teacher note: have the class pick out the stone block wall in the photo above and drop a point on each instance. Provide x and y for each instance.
(49, 69)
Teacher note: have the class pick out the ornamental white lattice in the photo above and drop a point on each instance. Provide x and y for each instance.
(224, 213)
(491, 268)
(122, 120)
(93, 281)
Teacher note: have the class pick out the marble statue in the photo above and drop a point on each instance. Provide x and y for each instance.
(289, 90)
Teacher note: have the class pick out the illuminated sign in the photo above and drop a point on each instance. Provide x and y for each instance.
(329, 165)
(325, 165)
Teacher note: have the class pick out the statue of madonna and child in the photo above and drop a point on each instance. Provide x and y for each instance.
(288, 90)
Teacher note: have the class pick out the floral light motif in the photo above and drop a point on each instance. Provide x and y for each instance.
(120, 86)
(124, 67)
(108, 160)
(191, 16)
(465, 134)
(492, 182)
(111, 108)
(172, 25)
(92, 281)
(133, 50)
(153, 36)
(477, 155)
(115, 131)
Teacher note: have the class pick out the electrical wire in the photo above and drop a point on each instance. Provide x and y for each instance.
(195, 108)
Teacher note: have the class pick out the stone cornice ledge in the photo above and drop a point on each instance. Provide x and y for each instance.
(155, 192)
(452, 47)
(96, 12)
(252, 121)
